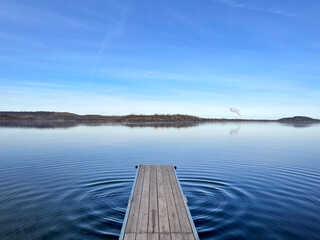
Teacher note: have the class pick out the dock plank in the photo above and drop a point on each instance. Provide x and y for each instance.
(157, 210)
(130, 236)
(144, 205)
(135, 205)
(153, 203)
(182, 213)
(165, 236)
(176, 236)
(171, 206)
(153, 236)
(142, 236)
(187, 236)
(163, 210)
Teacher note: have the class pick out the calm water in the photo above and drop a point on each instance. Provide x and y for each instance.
(242, 181)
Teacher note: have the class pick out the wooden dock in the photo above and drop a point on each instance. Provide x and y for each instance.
(157, 208)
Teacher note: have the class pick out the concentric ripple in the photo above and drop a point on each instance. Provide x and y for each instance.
(224, 209)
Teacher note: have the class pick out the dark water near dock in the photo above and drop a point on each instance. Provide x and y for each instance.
(242, 181)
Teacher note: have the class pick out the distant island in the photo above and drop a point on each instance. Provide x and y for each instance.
(134, 118)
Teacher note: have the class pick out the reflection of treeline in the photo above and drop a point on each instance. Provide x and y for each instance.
(38, 124)
(162, 124)
(71, 123)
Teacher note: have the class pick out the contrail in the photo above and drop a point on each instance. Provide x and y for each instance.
(106, 39)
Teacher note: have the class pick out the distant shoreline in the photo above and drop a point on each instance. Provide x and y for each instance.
(133, 118)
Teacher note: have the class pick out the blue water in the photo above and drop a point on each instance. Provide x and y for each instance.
(242, 181)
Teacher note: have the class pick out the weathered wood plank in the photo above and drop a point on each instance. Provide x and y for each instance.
(163, 210)
(187, 236)
(130, 236)
(153, 236)
(165, 236)
(176, 236)
(142, 236)
(171, 206)
(135, 204)
(153, 204)
(181, 209)
(144, 205)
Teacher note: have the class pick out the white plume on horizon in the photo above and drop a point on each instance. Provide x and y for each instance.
(235, 110)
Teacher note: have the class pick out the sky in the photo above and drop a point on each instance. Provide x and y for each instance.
(198, 57)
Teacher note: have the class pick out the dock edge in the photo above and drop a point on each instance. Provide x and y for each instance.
(125, 220)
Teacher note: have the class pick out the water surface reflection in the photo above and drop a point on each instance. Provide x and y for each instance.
(72, 181)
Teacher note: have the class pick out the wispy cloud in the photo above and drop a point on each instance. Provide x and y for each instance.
(118, 28)
(28, 15)
(238, 4)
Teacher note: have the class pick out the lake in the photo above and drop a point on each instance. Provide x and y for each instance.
(242, 180)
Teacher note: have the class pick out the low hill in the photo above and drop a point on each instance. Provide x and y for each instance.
(299, 119)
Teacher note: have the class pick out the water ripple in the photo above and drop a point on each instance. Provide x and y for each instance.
(77, 187)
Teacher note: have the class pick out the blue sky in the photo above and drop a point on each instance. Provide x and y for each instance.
(197, 57)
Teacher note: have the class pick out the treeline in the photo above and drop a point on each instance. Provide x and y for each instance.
(134, 118)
